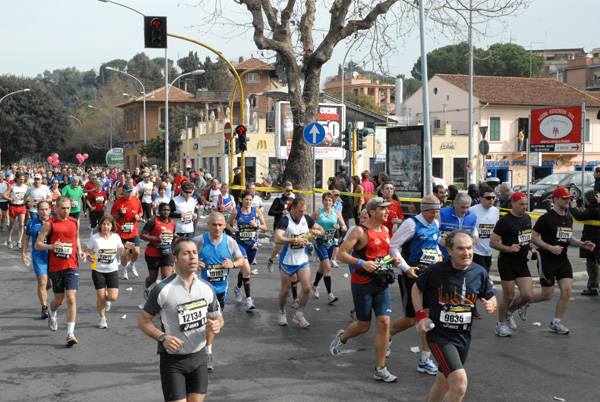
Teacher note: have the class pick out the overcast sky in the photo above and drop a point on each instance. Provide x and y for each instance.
(39, 35)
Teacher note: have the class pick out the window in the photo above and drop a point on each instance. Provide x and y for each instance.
(459, 176)
(494, 128)
(252, 77)
(438, 167)
(127, 121)
(587, 130)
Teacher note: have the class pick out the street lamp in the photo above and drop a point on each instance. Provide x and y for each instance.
(195, 72)
(111, 122)
(1, 99)
(122, 5)
(143, 91)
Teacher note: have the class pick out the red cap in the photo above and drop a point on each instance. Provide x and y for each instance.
(518, 196)
(561, 192)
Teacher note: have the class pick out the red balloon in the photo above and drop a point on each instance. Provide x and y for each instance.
(85, 156)
(56, 162)
(55, 157)
(78, 156)
(49, 160)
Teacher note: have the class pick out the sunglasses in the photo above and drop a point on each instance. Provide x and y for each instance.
(287, 191)
(188, 192)
(490, 197)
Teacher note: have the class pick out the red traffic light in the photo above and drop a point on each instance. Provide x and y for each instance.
(156, 23)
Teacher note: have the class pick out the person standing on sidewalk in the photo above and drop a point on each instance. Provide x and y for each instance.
(590, 212)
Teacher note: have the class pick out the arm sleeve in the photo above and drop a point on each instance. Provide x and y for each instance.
(149, 225)
(275, 208)
(283, 223)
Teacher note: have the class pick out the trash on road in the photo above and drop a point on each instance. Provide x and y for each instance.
(415, 349)
(536, 324)
(255, 271)
(556, 398)
(129, 289)
(345, 275)
(317, 309)
(141, 306)
(124, 316)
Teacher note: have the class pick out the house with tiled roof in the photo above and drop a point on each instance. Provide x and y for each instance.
(502, 104)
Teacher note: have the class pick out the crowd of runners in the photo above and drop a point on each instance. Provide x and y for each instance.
(443, 256)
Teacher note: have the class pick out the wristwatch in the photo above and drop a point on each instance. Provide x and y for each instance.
(161, 338)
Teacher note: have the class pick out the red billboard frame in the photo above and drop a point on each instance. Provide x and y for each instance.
(556, 128)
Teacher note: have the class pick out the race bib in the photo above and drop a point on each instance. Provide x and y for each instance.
(147, 193)
(36, 203)
(20, 196)
(297, 246)
(456, 316)
(127, 227)
(192, 315)
(167, 239)
(74, 204)
(107, 256)
(66, 251)
(524, 237)
(99, 200)
(485, 231)
(563, 235)
(328, 237)
(445, 233)
(247, 233)
(429, 256)
(216, 273)
(186, 217)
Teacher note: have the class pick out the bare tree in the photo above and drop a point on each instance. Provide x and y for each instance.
(304, 38)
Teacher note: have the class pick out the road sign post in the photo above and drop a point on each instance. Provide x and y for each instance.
(314, 134)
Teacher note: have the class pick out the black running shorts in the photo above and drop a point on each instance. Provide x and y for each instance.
(181, 375)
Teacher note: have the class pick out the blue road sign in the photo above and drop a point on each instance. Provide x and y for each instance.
(314, 133)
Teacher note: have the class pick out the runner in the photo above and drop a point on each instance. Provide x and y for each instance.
(219, 254)
(96, 201)
(370, 291)
(457, 217)
(452, 288)
(552, 234)
(183, 209)
(74, 192)
(102, 249)
(330, 221)
(144, 191)
(61, 233)
(418, 239)
(512, 237)
(36, 194)
(247, 220)
(55, 193)
(280, 208)
(188, 311)
(292, 232)
(39, 258)
(224, 202)
(3, 202)
(160, 232)
(127, 211)
(16, 209)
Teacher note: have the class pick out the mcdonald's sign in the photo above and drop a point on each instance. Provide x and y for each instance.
(262, 144)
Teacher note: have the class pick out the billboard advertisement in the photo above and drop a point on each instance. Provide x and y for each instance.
(331, 116)
(405, 160)
(114, 158)
(380, 144)
(556, 129)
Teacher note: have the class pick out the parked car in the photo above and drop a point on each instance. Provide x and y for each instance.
(540, 193)
(442, 182)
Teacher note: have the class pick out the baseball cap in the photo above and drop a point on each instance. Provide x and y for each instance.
(335, 192)
(145, 175)
(37, 176)
(7, 174)
(518, 196)
(377, 202)
(127, 187)
(561, 192)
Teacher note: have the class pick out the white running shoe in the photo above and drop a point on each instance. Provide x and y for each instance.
(315, 290)
(502, 330)
(238, 294)
(102, 322)
(132, 270)
(384, 375)
(301, 321)
(510, 322)
(334, 264)
(107, 305)
(52, 323)
(282, 319)
(331, 298)
(336, 345)
(125, 276)
(250, 304)
(295, 303)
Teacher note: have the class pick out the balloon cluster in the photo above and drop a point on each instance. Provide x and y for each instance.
(81, 158)
(53, 160)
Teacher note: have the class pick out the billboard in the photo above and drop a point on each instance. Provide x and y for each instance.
(405, 160)
(556, 129)
(114, 158)
(331, 116)
(380, 144)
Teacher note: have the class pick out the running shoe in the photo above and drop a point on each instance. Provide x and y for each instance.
(71, 340)
(107, 306)
(334, 264)
(19, 244)
(270, 265)
(295, 303)
(10, 244)
(44, 312)
(384, 375)
(427, 366)
(125, 276)
(52, 323)
(510, 321)
(102, 322)
(476, 315)
(250, 304)
(558, 328)
(301, 321)
(254, 262)
(134, 272)
(331, 298)
(502, 330)
(282, 319)
(238, 294)
(336, 345)
(523, 312)
(315, 290)
(6, 242)
(209, 362)
(388, 352)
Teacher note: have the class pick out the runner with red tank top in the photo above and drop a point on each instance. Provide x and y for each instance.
(370, 243)
(160, 232)
(127, 211)
(62, 233)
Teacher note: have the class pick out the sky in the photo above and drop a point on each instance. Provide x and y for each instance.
(39, 35)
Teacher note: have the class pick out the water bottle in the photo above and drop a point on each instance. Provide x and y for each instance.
(94, 260)
(28, 260)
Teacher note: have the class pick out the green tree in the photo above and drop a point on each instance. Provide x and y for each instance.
(510, 60)
(30, 122)
(146, 70)
(410, 86)
(361, 100)
(216, 77)
(69, 85)
(188, 64)
(451, 59)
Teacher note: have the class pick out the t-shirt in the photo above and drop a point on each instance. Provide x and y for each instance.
(144, 191)
(452, 295)
(486, 221)
(514, 230)
(555, 230)
(37, 195)
(97, 199)
(75, 194)
(127, 226)
(395, 212)
(106, 251)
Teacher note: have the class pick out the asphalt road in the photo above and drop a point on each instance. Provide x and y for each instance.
(256, 360)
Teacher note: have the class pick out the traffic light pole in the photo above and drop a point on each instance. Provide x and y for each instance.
(354, 142)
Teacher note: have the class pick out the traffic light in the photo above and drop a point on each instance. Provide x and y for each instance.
(243, 142)
(227, 147)
(236, 149)
(163, 145)
(346, 137)
(361, 138)
(155, 32)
